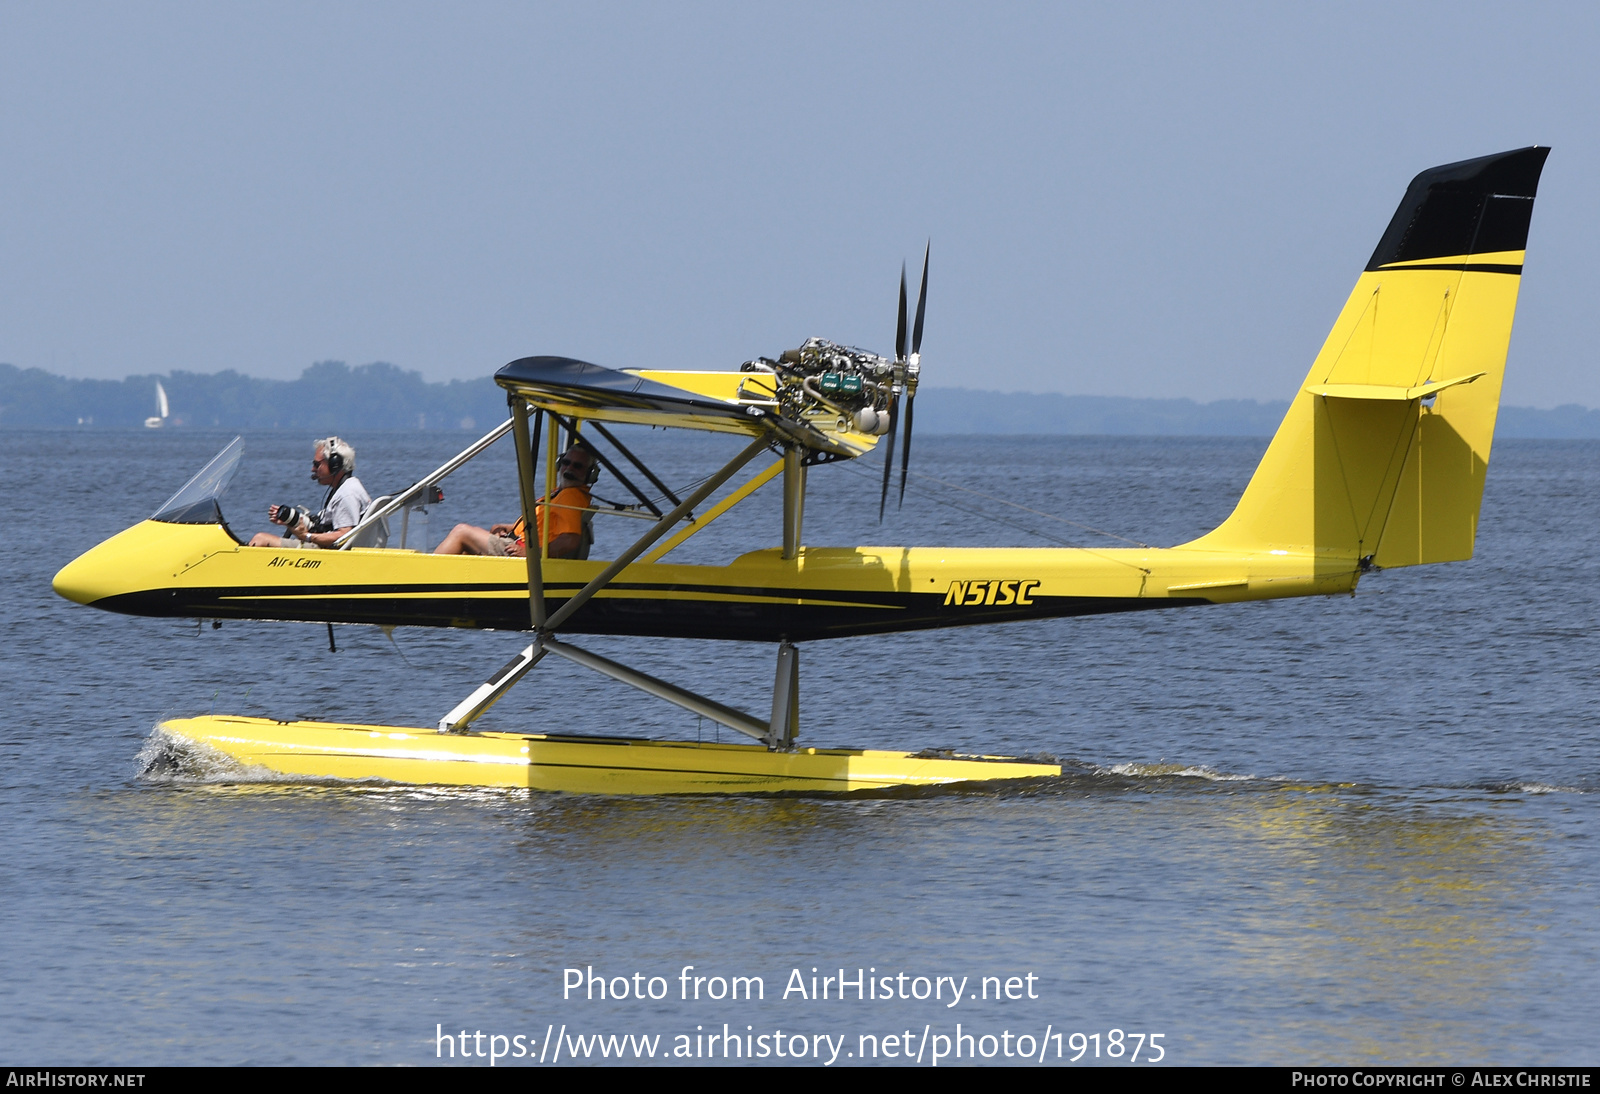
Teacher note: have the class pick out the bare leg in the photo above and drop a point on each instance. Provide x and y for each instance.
(469, 539)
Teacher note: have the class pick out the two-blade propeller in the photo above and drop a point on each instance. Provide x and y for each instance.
(907, 369)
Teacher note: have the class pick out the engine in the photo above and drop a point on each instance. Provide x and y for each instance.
(823, 377)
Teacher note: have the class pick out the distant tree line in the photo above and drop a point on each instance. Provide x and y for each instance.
(328, 395)
(331, 395)
(958, 410)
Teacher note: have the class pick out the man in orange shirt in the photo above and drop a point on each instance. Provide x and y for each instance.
(575, 474)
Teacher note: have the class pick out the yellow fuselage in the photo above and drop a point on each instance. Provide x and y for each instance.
(199, 571)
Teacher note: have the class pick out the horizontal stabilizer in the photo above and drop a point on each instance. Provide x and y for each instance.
(1388, 391)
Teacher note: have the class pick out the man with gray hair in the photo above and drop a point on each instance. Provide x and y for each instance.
(333, 464)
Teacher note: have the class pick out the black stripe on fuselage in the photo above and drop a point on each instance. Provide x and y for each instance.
(888, 598)
(650, 617)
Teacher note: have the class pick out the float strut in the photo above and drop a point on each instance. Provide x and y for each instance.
(672, 693)
(488, 693)
(785, 726)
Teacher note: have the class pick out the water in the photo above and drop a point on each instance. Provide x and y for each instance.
(1349, 830)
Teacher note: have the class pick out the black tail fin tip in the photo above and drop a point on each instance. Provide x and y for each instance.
(1479, 206)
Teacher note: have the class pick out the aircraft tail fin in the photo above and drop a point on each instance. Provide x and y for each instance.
(1381, 456)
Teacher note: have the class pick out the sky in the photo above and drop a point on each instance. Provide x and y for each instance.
(1165, 200)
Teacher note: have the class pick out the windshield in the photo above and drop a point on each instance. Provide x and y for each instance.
(196, 502)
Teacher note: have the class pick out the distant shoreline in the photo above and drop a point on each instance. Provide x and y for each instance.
(331, 395)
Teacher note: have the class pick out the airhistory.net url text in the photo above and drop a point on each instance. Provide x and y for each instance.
(910, 1046)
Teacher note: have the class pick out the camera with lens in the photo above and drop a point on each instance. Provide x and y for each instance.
(292, 515)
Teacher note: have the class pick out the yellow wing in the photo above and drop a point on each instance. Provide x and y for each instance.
(723, 402)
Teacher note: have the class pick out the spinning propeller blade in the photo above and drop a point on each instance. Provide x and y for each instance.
(905, 452)
(900, 329)
(888, 455)
(922, 301)
(914, 363)
(894, 400)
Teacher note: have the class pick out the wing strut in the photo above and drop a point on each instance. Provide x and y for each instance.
(794, 499)
(527, 457)
(774, 734)
(571, 424)
(657, 530)
(640, 464)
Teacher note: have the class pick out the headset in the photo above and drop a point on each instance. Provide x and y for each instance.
(341, 457)
(594, 463)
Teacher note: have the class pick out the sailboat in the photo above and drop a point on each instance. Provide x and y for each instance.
(159, 418)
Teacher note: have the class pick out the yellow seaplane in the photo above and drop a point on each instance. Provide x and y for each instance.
(1379, 463)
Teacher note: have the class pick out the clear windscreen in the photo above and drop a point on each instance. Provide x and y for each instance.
(196, 501)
